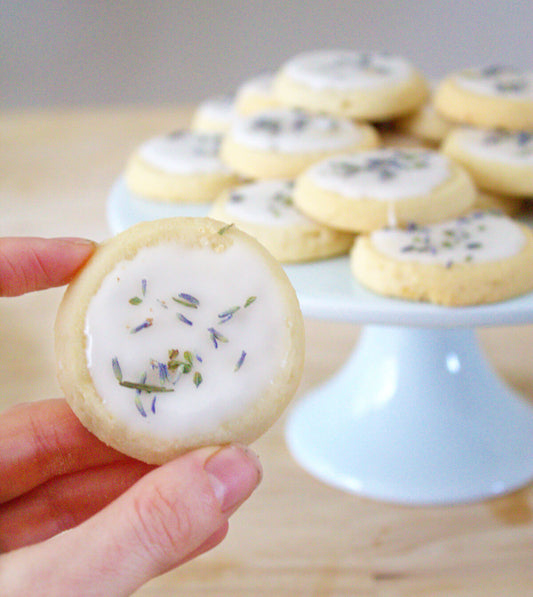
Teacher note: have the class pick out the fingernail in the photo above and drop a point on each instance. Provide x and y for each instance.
(234, 472)
(74, 240)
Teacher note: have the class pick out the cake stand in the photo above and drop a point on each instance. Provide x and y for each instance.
(416, 415)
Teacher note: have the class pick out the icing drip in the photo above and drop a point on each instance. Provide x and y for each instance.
(384, 174)
(498, 81)
(265, 202)
(498, 145)
(184, 152)
(294, 131)
(476, 238)
(346, 69)
(177, 337)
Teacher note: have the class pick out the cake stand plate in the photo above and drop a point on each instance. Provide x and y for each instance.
(416, 415)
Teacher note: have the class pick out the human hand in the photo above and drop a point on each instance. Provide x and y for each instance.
(127, 521)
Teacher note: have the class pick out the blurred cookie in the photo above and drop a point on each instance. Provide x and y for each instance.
(255, 95)
(391, 186)
(488, 97)
(282, 142)
(479, 258)
(179, 333)
(214, 115)
(266, 211)
(369, 86)
(499, 161)
(181, 167)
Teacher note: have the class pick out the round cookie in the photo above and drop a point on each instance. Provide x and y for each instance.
(499, 161)
(510, 206)
(479, 258)
(390, 186)
(266, 211)
(280, 143)
(425, 124)
(180, 167)
(179, 333)
(255, 95)
(370, 86)
(488, 97)
(214, 115)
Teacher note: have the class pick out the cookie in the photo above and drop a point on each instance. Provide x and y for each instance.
(255, 95)
(266, 211)
(280, 143)
(179, 333)
(369, 86)
(180, 167)
(476, 259)
(488, 97)
(368, 190)
(499, 161)
(426, 125)
(214, 115)
(510, 206)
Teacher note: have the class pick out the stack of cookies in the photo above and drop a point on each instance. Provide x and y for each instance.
(342, 150)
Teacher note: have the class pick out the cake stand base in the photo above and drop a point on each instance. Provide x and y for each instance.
(416, 416)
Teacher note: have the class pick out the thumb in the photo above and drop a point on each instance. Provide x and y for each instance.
(173, 513)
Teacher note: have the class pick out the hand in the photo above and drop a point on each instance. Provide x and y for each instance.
(127, 521)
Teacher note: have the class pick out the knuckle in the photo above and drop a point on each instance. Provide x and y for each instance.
(163, 526)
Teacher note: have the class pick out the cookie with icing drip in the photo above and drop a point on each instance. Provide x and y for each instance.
(179, 333)
(266, 210)
(368, 190)
(370, 86)
(179, 167)
(492, 96)
(280, 143)
(482, 257)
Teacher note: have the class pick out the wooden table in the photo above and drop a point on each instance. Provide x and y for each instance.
(295, 536)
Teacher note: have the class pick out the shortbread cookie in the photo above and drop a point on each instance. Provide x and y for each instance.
(179, 333)
(488, 97)
(214, 115)
(391, 186)
(479, 258)
(281, 143)
(425, 124)
(256, 95)
(510, 206)
(181, 167)
(266, 211)
(499, 161)
(370, 86)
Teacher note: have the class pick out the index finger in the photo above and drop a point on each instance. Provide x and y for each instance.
(28, 264)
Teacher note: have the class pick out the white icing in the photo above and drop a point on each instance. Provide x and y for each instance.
(347, 70)
(497, 81)
(476, 238)
(292, 131)
(219, 108)
(184, 152)
(219, 281)
(261, 84)
(498, 145)
(384, 174)
(267, 202)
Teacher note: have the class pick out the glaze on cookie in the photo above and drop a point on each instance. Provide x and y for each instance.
(390, 186)
(371, 86)
(179, 333)
(266, 210)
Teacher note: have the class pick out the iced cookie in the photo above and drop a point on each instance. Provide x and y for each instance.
(179, 333)
(214, 115)
(370, 86)
(489, 97)
(479, 258)
(255, 95)
(181, 167)
(281, 143)
(391, 186)
(266, 211)
(499, 161)
(425, 124)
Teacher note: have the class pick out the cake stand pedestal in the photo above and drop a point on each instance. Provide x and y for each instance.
(416, 415)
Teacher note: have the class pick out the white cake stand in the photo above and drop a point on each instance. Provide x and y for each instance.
(416, 415)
